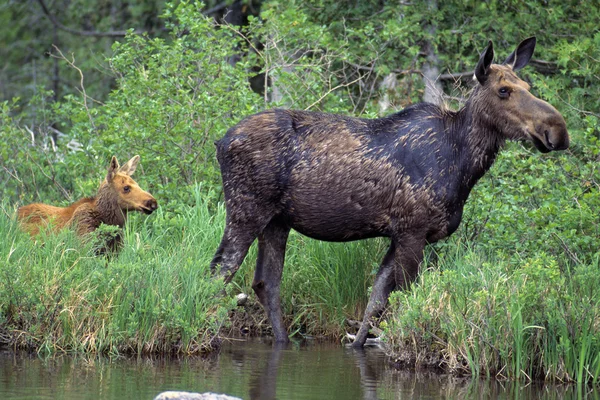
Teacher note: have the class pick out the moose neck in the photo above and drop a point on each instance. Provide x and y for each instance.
(108, 207)
(482, 138)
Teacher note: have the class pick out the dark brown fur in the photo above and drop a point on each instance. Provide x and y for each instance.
(117, 195)
(336, 178)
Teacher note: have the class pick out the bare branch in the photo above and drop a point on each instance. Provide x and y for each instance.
(544, 67)
(85, 96)
(455, 76)
(240, 34)
(51, 178)
(13, 175)
(571, 255)
(541, 66)
(32, 135)
(215, 9)
(333, 90)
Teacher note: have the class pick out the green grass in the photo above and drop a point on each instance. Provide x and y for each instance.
(154, 296)
(328, 283)
(323, 283)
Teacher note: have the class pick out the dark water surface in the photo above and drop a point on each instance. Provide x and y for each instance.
(252, 370)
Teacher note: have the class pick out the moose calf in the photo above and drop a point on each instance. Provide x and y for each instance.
(406, 176)
(117, 195)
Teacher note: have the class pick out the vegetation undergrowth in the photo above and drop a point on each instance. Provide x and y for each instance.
(324, 284)
(501, 316)
(156, 294)
(153, 296)
(472, 311)
(514, 293)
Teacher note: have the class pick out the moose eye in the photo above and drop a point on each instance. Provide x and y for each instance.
(504, 92)
(127, 189)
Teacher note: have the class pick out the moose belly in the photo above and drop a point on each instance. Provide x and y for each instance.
(340, 215)
(336, 227)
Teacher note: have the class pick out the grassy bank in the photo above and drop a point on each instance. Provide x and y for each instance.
(156, 294)
(473, 310)
(505, 317)
(153, 296)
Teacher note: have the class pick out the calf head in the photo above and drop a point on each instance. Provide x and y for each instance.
(504, 101)
(128, 194)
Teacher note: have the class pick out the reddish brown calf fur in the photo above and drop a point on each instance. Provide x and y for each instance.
(406, 177)
(117, 195)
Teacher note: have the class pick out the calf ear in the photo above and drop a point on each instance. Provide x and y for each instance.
(130, 166)
(522, 54)
(483, 66)
(113, 168)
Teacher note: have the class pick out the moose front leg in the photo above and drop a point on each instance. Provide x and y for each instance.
(399, 268)
(385, 282)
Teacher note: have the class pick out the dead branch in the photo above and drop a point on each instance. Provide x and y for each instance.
(333, 90)
(51, 178)
(455, 76)
(71, 63)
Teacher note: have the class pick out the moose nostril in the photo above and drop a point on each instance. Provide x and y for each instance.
(153, 204)
(548, 141)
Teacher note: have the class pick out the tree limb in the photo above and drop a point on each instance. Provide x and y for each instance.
(333, 90)
(215, 9)
(455, 76)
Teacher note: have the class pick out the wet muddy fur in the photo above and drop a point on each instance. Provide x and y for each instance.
(117, 195)
(406, 176)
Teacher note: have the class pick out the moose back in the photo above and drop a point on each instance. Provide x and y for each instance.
(406, 176)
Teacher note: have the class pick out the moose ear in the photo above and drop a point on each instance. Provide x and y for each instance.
(522, 54)
(483, 66)
(130, 166)
(113, 168)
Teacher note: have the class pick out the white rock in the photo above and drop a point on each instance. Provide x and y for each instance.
(194, 396)
(241, 298)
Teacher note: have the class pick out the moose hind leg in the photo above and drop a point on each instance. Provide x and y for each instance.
(233, 248)
(267, 277)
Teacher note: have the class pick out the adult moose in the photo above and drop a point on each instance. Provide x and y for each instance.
(117, 195)
(406, 176)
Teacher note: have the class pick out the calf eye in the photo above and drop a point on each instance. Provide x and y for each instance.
(504, 92)
(127, 189)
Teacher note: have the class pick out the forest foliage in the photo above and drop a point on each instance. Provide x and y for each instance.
(167, 93)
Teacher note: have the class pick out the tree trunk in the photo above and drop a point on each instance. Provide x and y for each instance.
(433, 87)
(388, 88)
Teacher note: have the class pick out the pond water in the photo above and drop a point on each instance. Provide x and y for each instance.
(252, 370)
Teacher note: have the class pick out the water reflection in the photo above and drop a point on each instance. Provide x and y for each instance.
(264, 383)
(254, 370)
